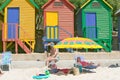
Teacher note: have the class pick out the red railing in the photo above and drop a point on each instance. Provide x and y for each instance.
(17, 27)
(13, 35)
(5, 32)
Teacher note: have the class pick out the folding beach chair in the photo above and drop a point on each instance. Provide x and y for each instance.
(6, 61)
(80, 66)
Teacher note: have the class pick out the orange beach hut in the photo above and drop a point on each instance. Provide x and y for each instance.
(58, 19)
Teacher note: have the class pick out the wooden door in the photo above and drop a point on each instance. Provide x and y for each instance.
(91, 26)
(52, 25)
(12, 20)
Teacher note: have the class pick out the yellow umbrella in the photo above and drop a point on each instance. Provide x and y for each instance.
(78, 42)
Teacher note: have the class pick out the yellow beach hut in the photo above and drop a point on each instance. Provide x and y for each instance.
(19, 24)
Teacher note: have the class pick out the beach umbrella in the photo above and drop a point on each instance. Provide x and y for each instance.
(78, 43)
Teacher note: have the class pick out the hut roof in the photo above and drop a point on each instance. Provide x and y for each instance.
(8, 1)
(98, 0)
(92, 0)
(50, 1)
(118, 12)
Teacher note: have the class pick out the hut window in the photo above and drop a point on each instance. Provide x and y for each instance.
(58, 4)
(95, 4)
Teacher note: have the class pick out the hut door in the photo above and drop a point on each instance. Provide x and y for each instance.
(91, 29)
(12, 20)
(52, 25)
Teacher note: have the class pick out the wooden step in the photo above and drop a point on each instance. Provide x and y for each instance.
(23, 46)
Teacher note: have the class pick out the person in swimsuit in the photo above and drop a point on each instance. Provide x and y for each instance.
(53, 54)
(89, 65)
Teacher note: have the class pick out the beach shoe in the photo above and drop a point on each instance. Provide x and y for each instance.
(114, 65)
(117, 65)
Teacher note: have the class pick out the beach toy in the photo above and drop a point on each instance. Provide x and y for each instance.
(42, 76)
(47, 72)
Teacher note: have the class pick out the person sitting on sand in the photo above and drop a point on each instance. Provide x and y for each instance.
(85, 64)
(53, 66)
(55, 70)
(53, 54)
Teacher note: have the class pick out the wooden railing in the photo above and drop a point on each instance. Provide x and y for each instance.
(12, 35)
(54, 35)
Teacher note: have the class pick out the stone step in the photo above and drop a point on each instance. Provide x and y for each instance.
(67, 56)
(66, 59)
(61, 63)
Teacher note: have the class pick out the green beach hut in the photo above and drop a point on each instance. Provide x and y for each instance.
(94, 21)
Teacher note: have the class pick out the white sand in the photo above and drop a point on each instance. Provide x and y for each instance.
(102, 73)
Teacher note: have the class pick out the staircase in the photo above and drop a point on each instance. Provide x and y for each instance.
(66, 31)
(14, 38)
(106, 45)
(23, 46)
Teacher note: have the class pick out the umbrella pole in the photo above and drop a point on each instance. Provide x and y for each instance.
(86, 50)
(97, 50)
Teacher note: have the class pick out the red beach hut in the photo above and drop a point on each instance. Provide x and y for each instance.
(58, 19)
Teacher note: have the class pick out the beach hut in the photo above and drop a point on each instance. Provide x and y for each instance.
(19, 24)
(58, 19)
(94, 21)
(118, 18)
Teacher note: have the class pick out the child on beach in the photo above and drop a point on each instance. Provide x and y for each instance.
(55, 70)
(53, 66)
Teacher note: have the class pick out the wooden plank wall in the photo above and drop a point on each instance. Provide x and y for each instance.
(66, 19)
(27, 18)
(103, 20)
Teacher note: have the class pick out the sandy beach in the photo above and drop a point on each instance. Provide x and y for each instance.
(101, 73)
(28, 67)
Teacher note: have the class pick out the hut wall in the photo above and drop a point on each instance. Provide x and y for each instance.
(119, 28)
(78, 23)
(104, 24)
(26, 18)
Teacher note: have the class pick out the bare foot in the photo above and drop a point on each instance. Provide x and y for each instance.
(1, 73)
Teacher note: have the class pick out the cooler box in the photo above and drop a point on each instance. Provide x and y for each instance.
(5, 67)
